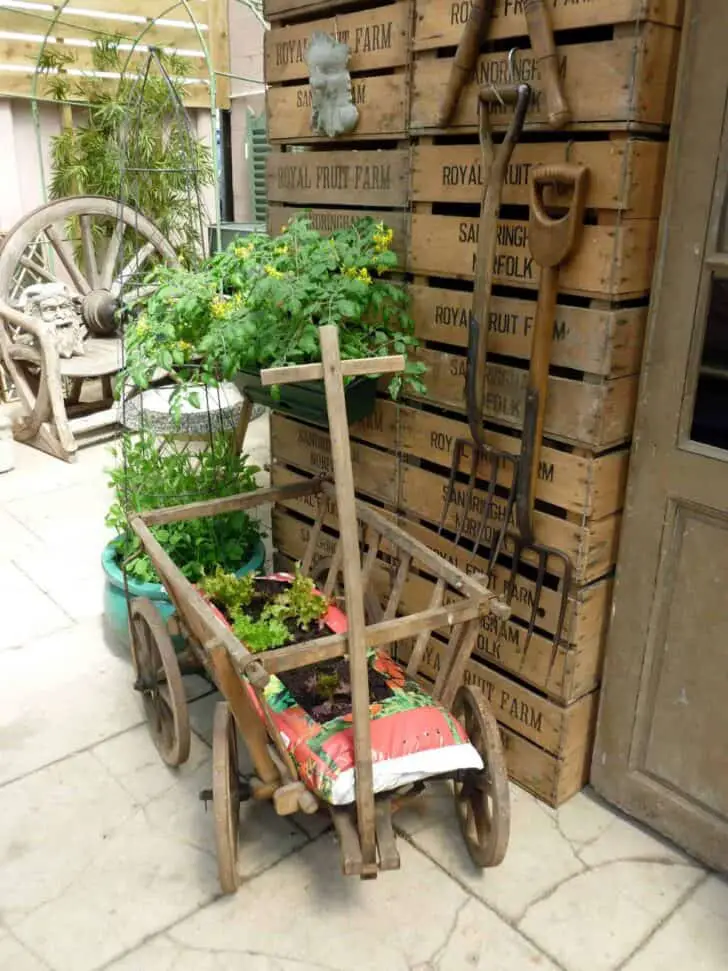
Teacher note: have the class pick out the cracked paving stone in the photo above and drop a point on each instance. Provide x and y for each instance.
(539, 857)
(133, 760)
(304, 906)
(33, 614)
(60, 694)
(600, 834)
(606, 912)
(412, 918)
(14, 957)
(695, 937)
(161, 954)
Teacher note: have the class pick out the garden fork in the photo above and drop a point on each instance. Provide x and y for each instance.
(552, 241)
(495, 165)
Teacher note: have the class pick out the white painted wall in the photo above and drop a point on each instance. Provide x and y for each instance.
(21, 184)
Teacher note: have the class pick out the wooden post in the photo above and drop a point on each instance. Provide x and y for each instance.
(354, 594)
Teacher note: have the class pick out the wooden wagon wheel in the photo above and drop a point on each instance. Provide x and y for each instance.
(482, 799)
(226, 796)
(158, 678)
(84, 242)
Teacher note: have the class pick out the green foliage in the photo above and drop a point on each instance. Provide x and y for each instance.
(231, 591)
(95, 157)
(260, 303)
(298, 602)
(327, 684)
(150, 476)
(260, 635)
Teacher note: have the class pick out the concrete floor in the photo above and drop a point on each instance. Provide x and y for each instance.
(107, 857)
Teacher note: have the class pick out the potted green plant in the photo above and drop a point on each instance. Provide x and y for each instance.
(153, 473)
(260, 303)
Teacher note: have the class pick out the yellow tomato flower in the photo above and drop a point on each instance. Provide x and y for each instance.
(382, 238)
(272, 272)
(243, 251)
(281, 250)
(184, 346)
(218, 307)
(364, 276)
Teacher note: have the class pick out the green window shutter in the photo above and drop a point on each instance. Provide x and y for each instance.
(258, 149)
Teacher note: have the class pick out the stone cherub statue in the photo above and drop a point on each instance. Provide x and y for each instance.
(333, 112)
(54, 304)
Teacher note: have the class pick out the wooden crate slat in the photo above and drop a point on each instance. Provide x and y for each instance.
(591, 547)
(596, 341)
(553, 727)
(285, 9)
(367, 178)
(440, 23)
(574, 673)
(596, 415)
(612, 262)
(624, 173)
(377, 37)
(590, 486)
(421, 493)
(625, 81)
(327, 220)
(548, 777)
(587, 603)
(381, 100)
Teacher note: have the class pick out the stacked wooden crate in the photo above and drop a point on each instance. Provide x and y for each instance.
(618, 61)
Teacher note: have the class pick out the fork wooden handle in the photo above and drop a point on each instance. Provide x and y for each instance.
(542, 42)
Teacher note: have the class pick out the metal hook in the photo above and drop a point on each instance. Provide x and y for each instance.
(567, 151)
(512, 64)
(497, 93)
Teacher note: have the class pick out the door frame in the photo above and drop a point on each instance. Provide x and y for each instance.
(649, 534)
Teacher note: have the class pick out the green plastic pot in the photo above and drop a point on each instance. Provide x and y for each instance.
(307, 399)
(116, 613)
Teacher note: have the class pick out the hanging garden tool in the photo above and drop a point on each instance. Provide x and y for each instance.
(552, 242)
(541, 34)
(465, 58)
(495, 166)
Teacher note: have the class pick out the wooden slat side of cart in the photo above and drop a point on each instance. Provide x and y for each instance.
(367, 542)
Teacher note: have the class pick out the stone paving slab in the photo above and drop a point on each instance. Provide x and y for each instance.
(107, 856)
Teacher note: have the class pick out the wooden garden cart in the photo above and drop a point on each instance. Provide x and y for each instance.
(458, 604)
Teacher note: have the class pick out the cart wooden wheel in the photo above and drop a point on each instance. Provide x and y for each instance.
(482, 800)
(226, 796)
(159, 680)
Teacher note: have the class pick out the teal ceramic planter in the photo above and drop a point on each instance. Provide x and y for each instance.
(115, 598)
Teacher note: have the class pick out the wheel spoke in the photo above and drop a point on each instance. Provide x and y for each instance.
(65, 254)
(480, 816)
(37, 269)
(112, 255)
(89, 252)
(132, 267)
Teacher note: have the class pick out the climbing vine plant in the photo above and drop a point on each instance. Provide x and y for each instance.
(150, 167)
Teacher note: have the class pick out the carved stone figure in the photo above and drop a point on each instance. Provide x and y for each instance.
(333, 112)
(61, 311)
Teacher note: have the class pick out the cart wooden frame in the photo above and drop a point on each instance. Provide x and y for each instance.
(367, 539)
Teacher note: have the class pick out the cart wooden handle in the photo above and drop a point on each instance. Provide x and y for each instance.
(390, 364)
